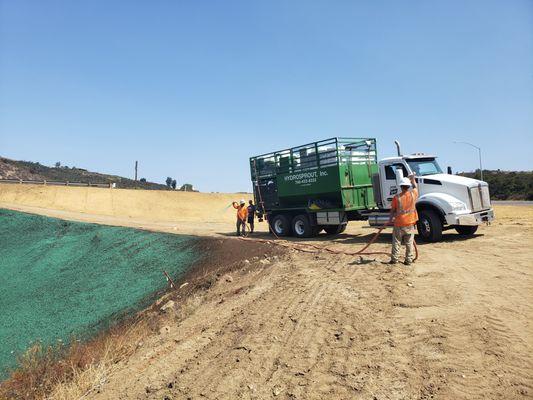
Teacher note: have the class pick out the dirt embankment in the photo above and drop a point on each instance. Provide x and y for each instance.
(76, 371)
(167, 211)
(456, 325)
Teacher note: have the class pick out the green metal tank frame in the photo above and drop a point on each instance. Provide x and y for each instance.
(329, 175)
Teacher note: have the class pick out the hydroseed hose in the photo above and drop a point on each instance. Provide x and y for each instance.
(311, 248)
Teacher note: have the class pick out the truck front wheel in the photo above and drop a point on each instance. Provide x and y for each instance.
(466, 230)
(280, 225)
(429, 226)
(302, 228)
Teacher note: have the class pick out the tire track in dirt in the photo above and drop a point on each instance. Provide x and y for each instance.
(284, 311)
(409, 343)
(475, 357)
(176, 350)
(498, 338)
(308, 340)
(307, 377)
(496, 358)
(277, 305)
(464, 366)
(344, 362)
(290, 318)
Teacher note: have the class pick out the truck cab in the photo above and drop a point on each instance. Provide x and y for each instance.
(446, 201)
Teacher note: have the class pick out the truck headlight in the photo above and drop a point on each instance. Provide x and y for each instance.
(458, 206)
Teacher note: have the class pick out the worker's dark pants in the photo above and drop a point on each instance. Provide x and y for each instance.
(251, 224)
(241, 224)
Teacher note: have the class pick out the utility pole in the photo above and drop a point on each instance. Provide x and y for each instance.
(136, 164)
(479, 154)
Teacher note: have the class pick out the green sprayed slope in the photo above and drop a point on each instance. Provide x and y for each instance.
(60, 279)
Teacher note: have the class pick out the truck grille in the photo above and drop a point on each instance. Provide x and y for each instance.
(485, 197)
(480, 198)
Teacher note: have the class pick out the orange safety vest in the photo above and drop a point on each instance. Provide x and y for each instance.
(242, 212)
(405, 208)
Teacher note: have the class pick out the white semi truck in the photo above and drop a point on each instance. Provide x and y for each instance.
(320, 186)
(446, 201)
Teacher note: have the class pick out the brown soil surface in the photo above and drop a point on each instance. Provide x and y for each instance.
(455, 325)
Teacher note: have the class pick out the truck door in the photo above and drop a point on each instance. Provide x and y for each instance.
(389, 187)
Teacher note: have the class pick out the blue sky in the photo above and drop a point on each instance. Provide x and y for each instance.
(191, 89)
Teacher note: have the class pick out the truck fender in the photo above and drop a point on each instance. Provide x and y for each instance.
(441, 202)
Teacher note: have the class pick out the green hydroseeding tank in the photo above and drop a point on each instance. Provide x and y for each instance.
(320, 185)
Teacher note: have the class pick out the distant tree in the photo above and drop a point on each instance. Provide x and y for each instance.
(143, 180)
(168, 181)
(187, 187)
(173, 184)
(58, 164)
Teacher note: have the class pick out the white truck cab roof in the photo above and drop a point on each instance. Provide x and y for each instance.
(414, 156)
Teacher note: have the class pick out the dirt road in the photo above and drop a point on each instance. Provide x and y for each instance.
(456, 325)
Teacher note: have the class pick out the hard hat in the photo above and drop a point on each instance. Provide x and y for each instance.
(242, 201)
(405, 182)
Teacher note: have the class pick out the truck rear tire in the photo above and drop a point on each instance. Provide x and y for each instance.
(280, 225)
(335, 229)
(429, 226)
(466, 230)
(302, 228)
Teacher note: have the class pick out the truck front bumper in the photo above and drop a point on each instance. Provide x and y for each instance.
(476, 218)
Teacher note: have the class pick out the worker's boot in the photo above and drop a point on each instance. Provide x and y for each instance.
(408, 262)
(392, 262)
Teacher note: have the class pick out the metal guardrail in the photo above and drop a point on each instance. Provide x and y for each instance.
(57, 183)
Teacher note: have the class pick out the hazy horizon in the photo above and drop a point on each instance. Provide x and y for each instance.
(162, 181)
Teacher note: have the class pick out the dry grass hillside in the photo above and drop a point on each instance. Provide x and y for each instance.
(27, 170)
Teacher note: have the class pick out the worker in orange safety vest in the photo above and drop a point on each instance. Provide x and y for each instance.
(403, 214)
(242, 214)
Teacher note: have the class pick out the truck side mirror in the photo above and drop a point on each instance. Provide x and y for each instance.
(450, 170)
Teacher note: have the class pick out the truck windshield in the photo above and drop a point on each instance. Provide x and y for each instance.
(424, 166)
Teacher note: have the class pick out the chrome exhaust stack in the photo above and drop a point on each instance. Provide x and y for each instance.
(398, 149)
